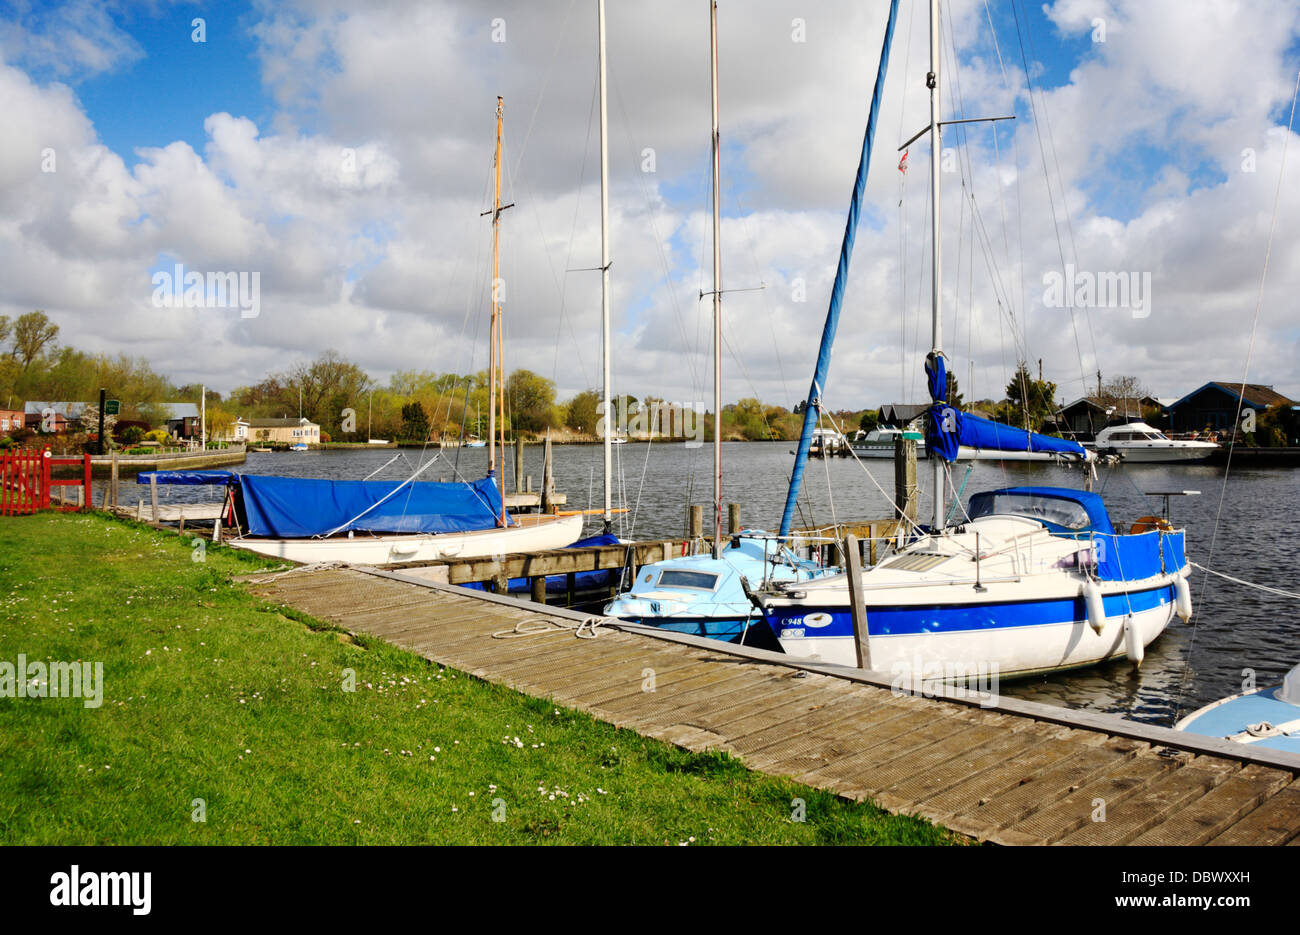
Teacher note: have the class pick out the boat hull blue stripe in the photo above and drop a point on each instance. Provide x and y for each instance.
(1003, 615)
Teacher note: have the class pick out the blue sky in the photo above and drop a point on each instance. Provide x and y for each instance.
(166, 94)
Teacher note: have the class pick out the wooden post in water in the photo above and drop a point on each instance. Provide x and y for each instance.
(905, 492)
(733, 518)
(857, 604)
(694, 521)
(153, 495)
(548, 478)
(539, 589)
(519, 463)
(112, 483)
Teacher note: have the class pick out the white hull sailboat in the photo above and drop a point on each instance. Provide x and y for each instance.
(532, 533)
(1033, 580)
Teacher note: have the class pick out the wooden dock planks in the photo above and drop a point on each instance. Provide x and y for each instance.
(996, 775)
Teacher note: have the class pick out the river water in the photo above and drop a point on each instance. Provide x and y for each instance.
(1248, 520)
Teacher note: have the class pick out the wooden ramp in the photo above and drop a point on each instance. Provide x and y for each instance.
(1002, 770)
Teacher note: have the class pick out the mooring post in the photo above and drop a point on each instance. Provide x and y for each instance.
(695, 522)
(182, 509)
(548, 478)
(519, 463)
(905, 492)
(857, 605)
(528, 483)
(153, 495)
(112, 483)
(539, 589)
(733, 518)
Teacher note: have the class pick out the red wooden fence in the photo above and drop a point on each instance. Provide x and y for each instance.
(26, 481)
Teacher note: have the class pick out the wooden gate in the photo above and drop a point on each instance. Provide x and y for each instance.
(26, 481)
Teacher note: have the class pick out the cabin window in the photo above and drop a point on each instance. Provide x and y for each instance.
(1065, 513)
(695, 580)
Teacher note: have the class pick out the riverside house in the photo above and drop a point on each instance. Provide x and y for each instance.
(283, 431)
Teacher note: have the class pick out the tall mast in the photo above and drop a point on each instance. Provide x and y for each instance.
(494, 340)
(717, 293)
(936, 323)
(604, 267)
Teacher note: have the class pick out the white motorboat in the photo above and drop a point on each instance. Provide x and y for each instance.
(881, 441)
(1139, 442)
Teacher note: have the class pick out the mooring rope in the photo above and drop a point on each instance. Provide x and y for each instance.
(586, 629)
(315, 566)
(1250, 584)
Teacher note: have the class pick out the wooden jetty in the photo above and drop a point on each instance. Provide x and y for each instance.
(995, 768)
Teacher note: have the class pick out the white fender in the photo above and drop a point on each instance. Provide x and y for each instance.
(1133, 647)
(1096, 609)
(1183, 598)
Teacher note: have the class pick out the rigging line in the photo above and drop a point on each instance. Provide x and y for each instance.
(1051, 200)
(888, 499)
(550, 70)
(1250, 351)
(997, 48)
(1065, 204)
(669, 284)
(758, 275)
(563, 282)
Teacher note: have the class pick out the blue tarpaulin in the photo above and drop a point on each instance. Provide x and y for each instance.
(293, 507)
(950, 428)
(298, 507)
(187, 478)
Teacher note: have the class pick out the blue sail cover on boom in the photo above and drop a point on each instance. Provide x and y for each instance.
(949, 428)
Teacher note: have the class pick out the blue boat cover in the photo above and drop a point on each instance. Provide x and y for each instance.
(299, 507)
(294, 507)
(949, 428)
(982, 504)
(1128, 558)
(186, 478)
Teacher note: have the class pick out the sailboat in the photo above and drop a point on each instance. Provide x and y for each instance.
(1031, 579)
(371, 522)
(1265, 717)
(710, 595)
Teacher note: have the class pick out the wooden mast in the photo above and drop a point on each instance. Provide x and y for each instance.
(495, 376)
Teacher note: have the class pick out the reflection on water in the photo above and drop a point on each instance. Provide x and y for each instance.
(1233, 629)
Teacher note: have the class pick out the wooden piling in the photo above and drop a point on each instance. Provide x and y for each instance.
(694, 521)
(519, 463)
(857, 603)
(153, 495)
(733, 518)
(111, 495)
(539, 589)
(905, 490)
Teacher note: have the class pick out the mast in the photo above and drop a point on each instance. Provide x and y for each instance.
(494, 339)
(936, 254)
(717, 292)
(822, 370)
(604, 266)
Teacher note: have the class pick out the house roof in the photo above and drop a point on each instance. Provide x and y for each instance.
(900, 414)
(1259, 395)
(1133, 403)
(278, 423)
(180, 410)
(68, 410)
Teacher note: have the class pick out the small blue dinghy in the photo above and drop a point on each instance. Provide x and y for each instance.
(1266, 717)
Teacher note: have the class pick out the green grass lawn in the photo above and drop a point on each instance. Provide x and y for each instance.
(211, 694)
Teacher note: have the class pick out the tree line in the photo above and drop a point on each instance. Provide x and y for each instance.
(418, 406)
